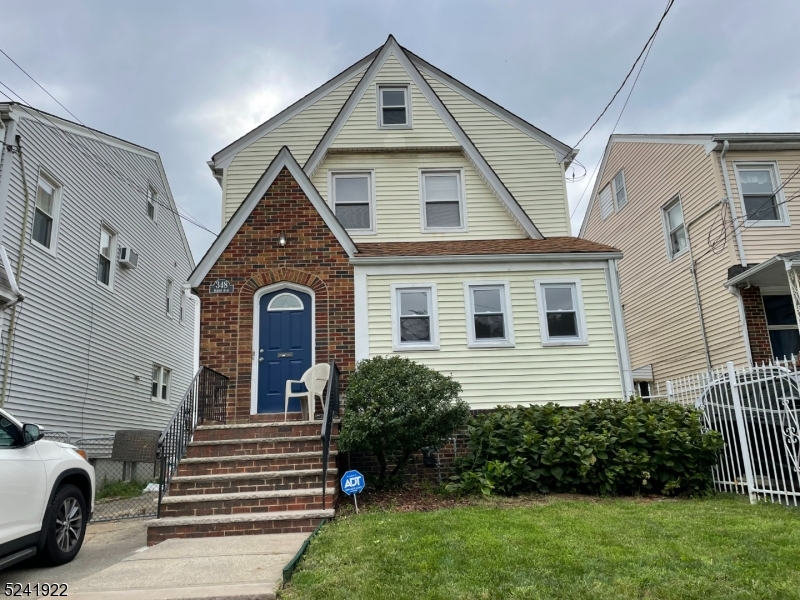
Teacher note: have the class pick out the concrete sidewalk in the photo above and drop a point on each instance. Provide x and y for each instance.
(247, 567)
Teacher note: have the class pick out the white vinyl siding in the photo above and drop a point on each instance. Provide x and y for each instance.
(360, 130)
(525, 373)
(301, 134)
(606, 200)
(397, 196)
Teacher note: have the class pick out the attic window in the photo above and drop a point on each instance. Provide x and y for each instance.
(393, 106)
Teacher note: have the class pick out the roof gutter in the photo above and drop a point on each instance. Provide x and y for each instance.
(731, 206)
(484, 258)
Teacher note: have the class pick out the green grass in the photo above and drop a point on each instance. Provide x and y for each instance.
(120, 489)
(562, 548)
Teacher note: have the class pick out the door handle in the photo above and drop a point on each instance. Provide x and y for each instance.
(260, 359)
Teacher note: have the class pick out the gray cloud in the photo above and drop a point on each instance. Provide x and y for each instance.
(186, 78)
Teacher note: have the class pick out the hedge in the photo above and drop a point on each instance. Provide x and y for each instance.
(607, 447)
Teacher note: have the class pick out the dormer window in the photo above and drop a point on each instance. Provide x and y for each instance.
(393, 108)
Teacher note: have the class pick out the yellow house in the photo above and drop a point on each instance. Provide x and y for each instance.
(710, 228)
(395, 210)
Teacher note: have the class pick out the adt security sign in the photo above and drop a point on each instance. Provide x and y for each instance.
(352, 484)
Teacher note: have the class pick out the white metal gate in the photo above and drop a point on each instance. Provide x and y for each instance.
(757, 411)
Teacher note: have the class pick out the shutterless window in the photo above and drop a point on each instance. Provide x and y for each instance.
(159, 389)
(442, 200)
(105, 256)
(352, 200)
(45, 211)
(489, 313)
(620, 195)
(182, 307)
(151, 204)
(168, 297)
(393, 106)
(415, 316)
(561, 313)
(758, 185)
(784, 336)
(676, 232)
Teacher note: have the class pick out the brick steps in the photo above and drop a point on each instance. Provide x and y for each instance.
(246, 502)
(254, 463)
(289, 521)
(259, 430)
(271, 445)
(249, 482)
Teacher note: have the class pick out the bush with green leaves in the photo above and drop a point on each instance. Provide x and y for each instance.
(395, 407)
(608, 447)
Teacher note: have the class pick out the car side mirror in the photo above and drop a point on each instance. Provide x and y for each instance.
(31, 433)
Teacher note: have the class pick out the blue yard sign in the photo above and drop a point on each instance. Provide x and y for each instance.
(352, 483)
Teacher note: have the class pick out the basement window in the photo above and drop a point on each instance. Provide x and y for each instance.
(393, 110)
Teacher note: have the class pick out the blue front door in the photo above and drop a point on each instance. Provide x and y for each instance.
(284, 347)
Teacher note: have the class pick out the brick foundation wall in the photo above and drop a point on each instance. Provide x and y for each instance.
(757, 333)
(312, 257)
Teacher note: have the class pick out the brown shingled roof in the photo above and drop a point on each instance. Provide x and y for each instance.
(552, 245)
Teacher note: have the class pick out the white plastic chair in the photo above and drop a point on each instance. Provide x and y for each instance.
(315, 380)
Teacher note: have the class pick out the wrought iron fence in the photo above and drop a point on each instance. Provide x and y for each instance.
(204, 401)
(756, 409)
(331, 409)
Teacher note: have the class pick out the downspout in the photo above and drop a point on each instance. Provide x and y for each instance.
(20, 259)
(731, 205)
(618, 325)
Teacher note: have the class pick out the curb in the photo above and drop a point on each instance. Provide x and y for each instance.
(288, 570)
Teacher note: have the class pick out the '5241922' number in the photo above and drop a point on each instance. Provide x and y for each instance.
(36, 590)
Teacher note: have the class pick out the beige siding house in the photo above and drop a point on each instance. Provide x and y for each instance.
(710, 229)
(451, 214)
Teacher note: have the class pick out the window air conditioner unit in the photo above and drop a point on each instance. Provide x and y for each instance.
(128, 258)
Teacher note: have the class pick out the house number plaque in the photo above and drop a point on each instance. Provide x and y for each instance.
(221, 286)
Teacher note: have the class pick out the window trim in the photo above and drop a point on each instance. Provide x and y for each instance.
(370, 173)
(780, 200)
(433, 313)
(182, 307)
(665, 225)
(406, 88)
(168, 296)
(114, 249)
(577, 298)
(161, 369)
(508, 319)
(613, 184)
(776, 291)
(152, 190)
(610, 188)
(462, 199)
(58, 189)
(300, 300)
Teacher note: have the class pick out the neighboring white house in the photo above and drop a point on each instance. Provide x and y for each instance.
(102, 341)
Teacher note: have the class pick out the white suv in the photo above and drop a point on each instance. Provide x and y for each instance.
(46, 495)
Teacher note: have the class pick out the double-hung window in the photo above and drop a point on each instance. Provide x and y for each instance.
(353, 202)
(393, 109)
(675, 229)
(442, 200)
(561, 319)
(182, 307)
(159, 388)
(489, 322)
(45, 214)
(761, 199)
(620, 194)
(105, 256)
(784, 336)
(151, 203)
(168, 297)
(414, 319)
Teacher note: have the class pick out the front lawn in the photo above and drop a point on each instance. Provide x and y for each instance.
(559, 548)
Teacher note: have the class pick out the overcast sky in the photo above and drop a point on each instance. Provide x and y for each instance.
(187, 78)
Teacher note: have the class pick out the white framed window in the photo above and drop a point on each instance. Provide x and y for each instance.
(285, 301)
(415, 323)
(442, 200)
(489, 319)
(561, 317)
(106, 257)
(152, 203)
(353, 200)
(394, 108)
(182, 306)
(606, 199)
(168, 297)
(674, 228)
(160, 383)
(763, 204)
(46, 213)
(620, 193)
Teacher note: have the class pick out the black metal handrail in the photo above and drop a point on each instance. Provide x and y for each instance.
(331, 408)
(204, 401)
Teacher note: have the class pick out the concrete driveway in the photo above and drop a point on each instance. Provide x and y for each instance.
(105, 545)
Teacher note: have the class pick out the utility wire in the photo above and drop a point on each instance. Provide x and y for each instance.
(93, 156)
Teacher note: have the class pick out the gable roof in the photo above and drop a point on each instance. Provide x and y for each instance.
(470, 150)
(284, 158)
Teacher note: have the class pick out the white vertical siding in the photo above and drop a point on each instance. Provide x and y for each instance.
(79, 347)
(397, 196)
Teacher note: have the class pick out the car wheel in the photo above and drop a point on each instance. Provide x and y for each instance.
(66, 526)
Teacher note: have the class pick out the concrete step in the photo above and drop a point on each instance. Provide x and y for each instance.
(289, 521)
(254, 463)
(259, 430)
(264, 481)
(266, 445)
(246, 502)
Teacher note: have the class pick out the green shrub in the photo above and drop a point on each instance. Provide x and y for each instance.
(395, 407)
(610, 447)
